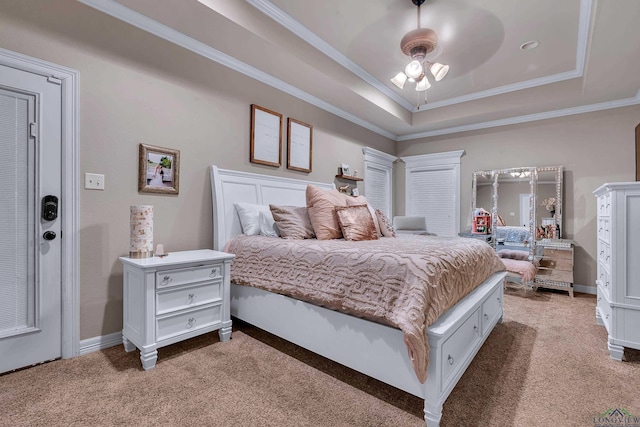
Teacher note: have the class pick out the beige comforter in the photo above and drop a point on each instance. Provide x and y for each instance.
(403, 282)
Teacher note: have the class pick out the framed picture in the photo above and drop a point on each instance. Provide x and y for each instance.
(355, 192)
(158, 170)
(266, 136)
(346, 170)
(299, 145)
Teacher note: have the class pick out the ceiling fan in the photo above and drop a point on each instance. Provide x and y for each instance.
(417, 44)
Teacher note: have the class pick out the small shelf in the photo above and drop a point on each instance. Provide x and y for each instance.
(349, 178)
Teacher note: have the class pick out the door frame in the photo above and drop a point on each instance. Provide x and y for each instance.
(70, 190)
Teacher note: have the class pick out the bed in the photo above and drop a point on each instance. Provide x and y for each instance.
(375, 349)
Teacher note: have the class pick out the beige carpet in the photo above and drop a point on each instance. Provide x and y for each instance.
(547, 364)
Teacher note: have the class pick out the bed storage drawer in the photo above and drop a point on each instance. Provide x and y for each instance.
(174, 325)
(167, 278)
(491, 309)
(456, 346)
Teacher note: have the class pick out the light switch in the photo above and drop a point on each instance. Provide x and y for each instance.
(93, 181)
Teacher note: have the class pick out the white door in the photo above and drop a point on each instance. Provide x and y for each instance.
(30, 249)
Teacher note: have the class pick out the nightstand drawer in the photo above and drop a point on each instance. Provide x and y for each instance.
(555, 275)
(558, 253)
(179, 298)
(557, 263)
(167, 278)
(185, 322)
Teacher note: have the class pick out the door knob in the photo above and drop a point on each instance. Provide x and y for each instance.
(49, 235)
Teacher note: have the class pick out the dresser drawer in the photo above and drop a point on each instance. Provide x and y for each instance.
(181, 297)
(169, 326)
(604, 280)
(457, 344)
(491, 308)
(558, 253)
(167, 278)
(604, 308)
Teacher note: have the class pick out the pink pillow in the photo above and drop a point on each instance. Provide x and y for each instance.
(386, 228)
(321, 209)
(356, 223)
(361, 200)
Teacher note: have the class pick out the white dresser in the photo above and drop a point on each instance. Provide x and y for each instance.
(618, 274)
(173, 298)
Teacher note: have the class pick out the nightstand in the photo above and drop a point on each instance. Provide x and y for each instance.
(173, 298)
(555, 270)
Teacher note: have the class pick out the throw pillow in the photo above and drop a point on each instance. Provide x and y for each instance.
(249, 216)
(292, 222)
(356, 223)
(386, 228)
(321, 209)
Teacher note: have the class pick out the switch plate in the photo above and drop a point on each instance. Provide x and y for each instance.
(93, 181)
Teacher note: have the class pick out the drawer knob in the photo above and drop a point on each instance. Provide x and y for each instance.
(486, 316)
(499, 299)
(475, 329)
(191, 322)
(599, 298)
(191, 297)
(166, 280)
(214, 272)
(607, 316)
(450, 359)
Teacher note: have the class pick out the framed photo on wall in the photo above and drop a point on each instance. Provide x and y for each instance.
(266, 136)
(299, 145)
(158, 170)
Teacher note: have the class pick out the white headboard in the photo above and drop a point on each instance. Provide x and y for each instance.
(229, 187)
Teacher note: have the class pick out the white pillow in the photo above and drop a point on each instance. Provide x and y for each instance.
(249, 214)
(268, 225)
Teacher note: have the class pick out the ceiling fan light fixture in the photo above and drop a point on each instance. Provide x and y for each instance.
(423, 84)
(399, 79)
(414, 69)
(439, 70)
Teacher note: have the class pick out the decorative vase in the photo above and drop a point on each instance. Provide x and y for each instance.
(141, 231)
(553, 213)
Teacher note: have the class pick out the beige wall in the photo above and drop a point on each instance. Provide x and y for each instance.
(594, 148)
(136, 88)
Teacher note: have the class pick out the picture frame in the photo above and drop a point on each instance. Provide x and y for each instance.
(266, 137)
(346, 170)
(299, 145)
(158, 170)
(355, 192)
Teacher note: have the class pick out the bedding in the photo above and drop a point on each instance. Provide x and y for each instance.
(404, 283)
(518, 262)
(292, 222)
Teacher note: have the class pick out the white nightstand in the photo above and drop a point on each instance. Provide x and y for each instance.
(173, 298)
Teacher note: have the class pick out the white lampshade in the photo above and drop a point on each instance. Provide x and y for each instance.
(413, 70)
(423, 84)
(399, 80)
(439, 70)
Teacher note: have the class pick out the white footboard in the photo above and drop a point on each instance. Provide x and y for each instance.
(377, 350)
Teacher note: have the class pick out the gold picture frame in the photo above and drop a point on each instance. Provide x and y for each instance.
(158, 170)
(266, 136)
(299, 145)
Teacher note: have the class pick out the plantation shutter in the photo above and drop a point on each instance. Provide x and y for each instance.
(433, 190)
(378, 167)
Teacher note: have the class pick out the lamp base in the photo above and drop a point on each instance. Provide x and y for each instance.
(141, 254)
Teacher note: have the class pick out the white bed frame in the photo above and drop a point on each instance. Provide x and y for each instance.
(371, 348)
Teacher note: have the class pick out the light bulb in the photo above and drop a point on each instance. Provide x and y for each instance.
(413, 70)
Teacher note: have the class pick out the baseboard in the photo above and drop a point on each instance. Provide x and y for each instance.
(100, 343)
(585, 289)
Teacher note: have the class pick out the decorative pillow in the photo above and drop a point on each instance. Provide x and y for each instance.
(385, 225)
(321, 209)
(292, 222)
(249, 216)
(361, 200)
(356, 222)
(268, 225)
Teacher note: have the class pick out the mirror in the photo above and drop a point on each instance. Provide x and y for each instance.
(525, 204)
